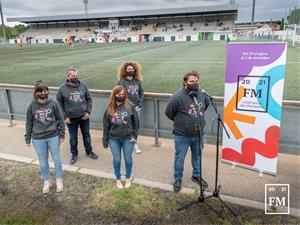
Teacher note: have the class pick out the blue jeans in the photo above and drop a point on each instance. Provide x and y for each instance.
(42, 148)
(85, 131)
(182, 143)
(116, 147)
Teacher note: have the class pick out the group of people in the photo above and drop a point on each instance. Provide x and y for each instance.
(46, 120)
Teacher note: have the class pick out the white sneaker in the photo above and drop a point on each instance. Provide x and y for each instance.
(59, 185)
(128, 183)
(137, 149)
(119, 184)
(46, 187)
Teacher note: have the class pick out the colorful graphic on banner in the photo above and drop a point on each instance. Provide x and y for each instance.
(252, 104)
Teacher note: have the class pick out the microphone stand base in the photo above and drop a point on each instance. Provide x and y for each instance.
(221, 213)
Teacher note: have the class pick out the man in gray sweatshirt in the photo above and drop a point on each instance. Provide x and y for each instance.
(187, 109)
(76, 104)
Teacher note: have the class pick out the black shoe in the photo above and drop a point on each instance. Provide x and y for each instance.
(92, 155)
(177, 186)
(73, 159)
(197, 180)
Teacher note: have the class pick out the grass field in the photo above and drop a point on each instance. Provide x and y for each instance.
(163, 65)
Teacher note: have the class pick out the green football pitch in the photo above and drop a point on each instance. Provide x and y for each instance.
(163, 65)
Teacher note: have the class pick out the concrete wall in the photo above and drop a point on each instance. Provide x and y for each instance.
(194, 37)
(167, 38)
(14, 100)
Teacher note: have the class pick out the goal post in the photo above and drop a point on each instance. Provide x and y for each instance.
(292, 34)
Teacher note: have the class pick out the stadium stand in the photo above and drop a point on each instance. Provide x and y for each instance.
(177, 24)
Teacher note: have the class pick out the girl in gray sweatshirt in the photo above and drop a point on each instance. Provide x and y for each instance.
(120, 131)
(46, 130)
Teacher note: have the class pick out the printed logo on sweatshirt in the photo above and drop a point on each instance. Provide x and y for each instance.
(120, 118)
(192, 111)
(43, 114)
(133, 89)
(75, 96)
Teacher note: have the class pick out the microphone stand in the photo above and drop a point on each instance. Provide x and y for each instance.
(216, 192)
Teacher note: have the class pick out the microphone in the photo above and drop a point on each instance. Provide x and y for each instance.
(205, 93)
(193, 95)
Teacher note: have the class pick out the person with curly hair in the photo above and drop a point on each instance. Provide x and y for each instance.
(130, 77)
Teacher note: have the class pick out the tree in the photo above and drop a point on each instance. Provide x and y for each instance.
(13, 32)
(294, 17)
(282, 24)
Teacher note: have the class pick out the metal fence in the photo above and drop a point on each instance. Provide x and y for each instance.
(14, 100)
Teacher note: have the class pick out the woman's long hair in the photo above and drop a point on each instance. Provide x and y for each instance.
(112, 103)
(39, 86)
(137, 68)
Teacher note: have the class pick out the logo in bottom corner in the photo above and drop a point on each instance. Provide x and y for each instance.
(277, 199)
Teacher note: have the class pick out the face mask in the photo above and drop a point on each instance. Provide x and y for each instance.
(120, 98)
(42, 96)
(73, 80)
(131, 73)
(192, 87)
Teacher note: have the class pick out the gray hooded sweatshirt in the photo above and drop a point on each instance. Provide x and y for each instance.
(74, 101)
(123, 125)
(44, 120)
(134, 90)
(182, 109)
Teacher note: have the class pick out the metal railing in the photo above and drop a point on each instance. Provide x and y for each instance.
(14, 100)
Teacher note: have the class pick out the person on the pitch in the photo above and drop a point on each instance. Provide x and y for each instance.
(189, 123)
(21, 45)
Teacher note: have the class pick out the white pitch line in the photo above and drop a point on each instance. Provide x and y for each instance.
(89, 77)
(136, 53)
(120, 57)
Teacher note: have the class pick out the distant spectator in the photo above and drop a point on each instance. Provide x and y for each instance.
(206, 23)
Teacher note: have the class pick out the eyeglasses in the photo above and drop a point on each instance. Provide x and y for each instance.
(193, 82)
(41, 92)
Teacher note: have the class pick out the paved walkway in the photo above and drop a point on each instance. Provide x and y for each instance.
(154, 167)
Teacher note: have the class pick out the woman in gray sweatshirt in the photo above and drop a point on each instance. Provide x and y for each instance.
(130, 77)
(46, 130)
(120, 131)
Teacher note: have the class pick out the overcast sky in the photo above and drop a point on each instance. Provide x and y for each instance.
(265, 9)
